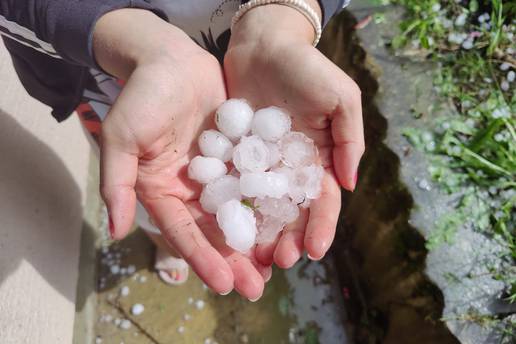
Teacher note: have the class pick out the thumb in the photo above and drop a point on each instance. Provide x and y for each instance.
(348, 136)
(118, 172)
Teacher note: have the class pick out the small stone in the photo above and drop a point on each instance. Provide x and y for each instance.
(190, 300)
(199, 304)
(124, 291)
(142, 279)
(137, 309)
(504, 66)
(125, 324)
(511, 76)
(123, 271)
(117, 321)
(461, 19)
(208, 341)
(187, 317)
(504, 85)
(104, 250)
(98, 340)
(181, 329)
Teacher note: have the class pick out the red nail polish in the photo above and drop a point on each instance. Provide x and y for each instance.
(111, 228)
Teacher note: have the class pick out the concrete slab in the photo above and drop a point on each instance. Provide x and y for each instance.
(43, 175)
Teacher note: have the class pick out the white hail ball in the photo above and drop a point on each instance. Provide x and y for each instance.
(214, 144)
(204, 169)
(234, 118)
(271, 123)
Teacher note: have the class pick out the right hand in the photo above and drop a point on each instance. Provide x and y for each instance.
(149, 136)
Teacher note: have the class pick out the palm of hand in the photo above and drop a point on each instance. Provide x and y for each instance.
(151, 134)
(301, 80)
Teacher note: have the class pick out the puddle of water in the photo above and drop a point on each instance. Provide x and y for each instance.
(300, 305)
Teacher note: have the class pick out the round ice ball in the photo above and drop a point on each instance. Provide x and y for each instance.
(251, 155)
(271, 123)
(263, 184)
(274, 154)
(234, 118)
(215, 145)
(204, 169)
(297, 149)
(238, 224)
(282, 208)
(268, 229)
(218, 192)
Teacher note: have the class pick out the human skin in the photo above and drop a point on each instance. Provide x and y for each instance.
(149, 136)
(271, 61)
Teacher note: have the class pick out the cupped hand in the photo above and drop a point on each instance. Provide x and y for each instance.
(150, 135)
(279, 66)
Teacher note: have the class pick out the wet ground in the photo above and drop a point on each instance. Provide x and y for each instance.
(301, 305)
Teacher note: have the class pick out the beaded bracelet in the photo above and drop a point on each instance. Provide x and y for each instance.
(299, 5)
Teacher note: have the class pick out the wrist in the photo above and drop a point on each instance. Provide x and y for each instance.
(275, 23)
(127, 38)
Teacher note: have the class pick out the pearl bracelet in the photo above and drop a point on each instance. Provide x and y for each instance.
(299, 5)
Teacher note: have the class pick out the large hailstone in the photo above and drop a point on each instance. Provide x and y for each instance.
(297, 149)
(204, 169)
(234, 118)
(283, 208)
(214, 144)
(303, 182)
(251, 155)
(264, 184)
(268, 229)
(218, 192)
(274, 154)
(271, 123)
(238, 224)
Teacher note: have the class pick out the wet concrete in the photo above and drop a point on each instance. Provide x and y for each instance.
(301, 305)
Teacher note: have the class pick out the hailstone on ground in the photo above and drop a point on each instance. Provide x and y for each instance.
(272, 173)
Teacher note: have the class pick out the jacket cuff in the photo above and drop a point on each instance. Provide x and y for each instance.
(331, 7)
(75, 22)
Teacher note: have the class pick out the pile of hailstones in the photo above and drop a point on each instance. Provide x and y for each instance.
(272, 172)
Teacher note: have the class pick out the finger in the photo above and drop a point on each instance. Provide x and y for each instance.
(180, 230)
(248, 280)
(348, 134)
(264, 270)
(118, 172)
(324, 214)
(290, 245)
(264, 253)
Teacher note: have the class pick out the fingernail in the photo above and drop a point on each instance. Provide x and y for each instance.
(355, 179)
(254, 300)
(314, 259)
(268, 278)
(225, 293)
(111, 227)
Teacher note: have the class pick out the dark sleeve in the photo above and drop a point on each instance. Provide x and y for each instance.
(331, 7)
(60, 28)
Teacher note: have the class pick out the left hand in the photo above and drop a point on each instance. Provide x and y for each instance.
(271, 61)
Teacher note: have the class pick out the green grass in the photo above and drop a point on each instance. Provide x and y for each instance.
(473, 150)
